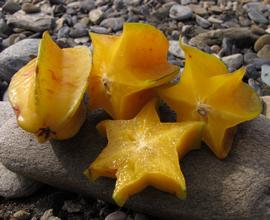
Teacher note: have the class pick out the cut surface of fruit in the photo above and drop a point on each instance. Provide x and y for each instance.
(127, 67)
(144, 152)
(47, 93)
(208, 92)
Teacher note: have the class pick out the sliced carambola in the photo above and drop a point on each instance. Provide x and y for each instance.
(143, 152)
(47, 93)
(208, 92)
(127, 67)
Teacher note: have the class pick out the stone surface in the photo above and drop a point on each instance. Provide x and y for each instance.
(117, 215)
(255, 15)
(30, 8)
(263, 40)
(265, 74)
(264, 52)
(16, 56)
(37, 22)
(180, 12)
(235, 188)
(242, 37)
(11, 6)
(202, 22)
(235, 61)
(175, 49)
(266, 106)
(13, 185)
(114, 23)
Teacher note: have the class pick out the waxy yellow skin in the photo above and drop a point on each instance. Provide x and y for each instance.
(127, 67)
(144, 152)
(47, 93)
(207, 92)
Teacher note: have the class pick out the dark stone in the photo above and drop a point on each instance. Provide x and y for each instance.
(16, 56)
(234, 188)
(11, 6)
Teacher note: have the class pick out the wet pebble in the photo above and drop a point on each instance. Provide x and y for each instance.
(100, 30)
(95, 15)
(249, 57)
(11, 6)
(252, 72)
(255, 15)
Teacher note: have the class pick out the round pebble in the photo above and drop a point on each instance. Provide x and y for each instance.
(117, 215)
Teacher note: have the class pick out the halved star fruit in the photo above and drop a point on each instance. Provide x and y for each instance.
(208, 92)
(144, 152)
(47, 93)
(127, 67)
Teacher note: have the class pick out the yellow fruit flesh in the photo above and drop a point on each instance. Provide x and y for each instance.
(47, 93)
(207, 92)
(143, 151)
(126, 67)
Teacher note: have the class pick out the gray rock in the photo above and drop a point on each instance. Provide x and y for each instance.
(78, 30)
(175, 49)
(252, 72)
(242, 37)
(72, 207)
(114, 23)
(264, 52)
(100, 30)
(37, 22)
(265, 75)
(255, 85)
(22, 215)
(16, 56)
(95, 15)
(186, 2)
(13, 185)
(202, 22)
(255, 15)
(48, 215)
(117, 215)
(263, 40)
(11, 6)
(63, 32)
(235, 188)
(30, 8)
(249, 57)
(87, 5)
(235, 61)
(180, 12)
(4, 28)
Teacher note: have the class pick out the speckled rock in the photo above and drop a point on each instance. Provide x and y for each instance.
(234, 188)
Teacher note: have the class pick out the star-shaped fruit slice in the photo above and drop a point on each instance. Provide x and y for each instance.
(127, 67)
(47, 93)
(144, 152)
(208, 92)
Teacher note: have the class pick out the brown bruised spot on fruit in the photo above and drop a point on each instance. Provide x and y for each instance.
(45, 132)
(107, 85)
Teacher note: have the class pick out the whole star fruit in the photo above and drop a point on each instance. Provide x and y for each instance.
(144, 152)
(208, 92)
(46, 94)
(127, 67)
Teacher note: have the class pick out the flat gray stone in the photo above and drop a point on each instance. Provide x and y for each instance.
(235, 188)
(16, 56)
(13, 185)
(37, 22)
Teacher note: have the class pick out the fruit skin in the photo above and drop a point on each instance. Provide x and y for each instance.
(208, 92)
(143, 152)
(47, 93)
(127, 67)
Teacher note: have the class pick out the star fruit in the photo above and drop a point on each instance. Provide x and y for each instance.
(208, 92)
(127, 67)
(47, 93)
(144, 152)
